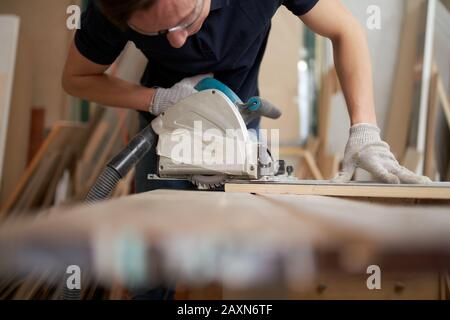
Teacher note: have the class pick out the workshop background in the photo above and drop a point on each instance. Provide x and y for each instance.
(53, 146)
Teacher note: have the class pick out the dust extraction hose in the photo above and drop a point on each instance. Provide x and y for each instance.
(120, 165)
(116, 170)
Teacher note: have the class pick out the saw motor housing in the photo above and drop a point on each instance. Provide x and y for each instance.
(206, 135)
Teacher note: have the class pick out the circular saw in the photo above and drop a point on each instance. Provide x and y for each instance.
(204, 138)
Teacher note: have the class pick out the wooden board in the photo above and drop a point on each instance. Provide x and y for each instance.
(326, 188)
(37, 130)
(426, 63)
(281, 57)
(330, 86)
(443, 99)
(105, 142)
(306, 156)
(61, 134)
(4, 113)
(399, 115)
(357, 233)
(430, 161)
(36, 187)
(412, 159)
(67, 157)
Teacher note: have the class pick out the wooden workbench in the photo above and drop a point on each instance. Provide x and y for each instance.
(319, 236)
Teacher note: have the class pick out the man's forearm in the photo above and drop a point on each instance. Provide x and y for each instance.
(109, 91)
(353, 66)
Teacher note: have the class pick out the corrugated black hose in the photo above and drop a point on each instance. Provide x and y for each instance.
(120, 165)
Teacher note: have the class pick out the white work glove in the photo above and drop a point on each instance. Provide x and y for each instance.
(366, 150)
(165, 98)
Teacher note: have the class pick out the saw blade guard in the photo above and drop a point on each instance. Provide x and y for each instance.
(205, 134)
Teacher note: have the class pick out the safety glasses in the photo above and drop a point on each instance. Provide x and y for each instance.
(190, 20)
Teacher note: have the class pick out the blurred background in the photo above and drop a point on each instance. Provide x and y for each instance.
(53, 146)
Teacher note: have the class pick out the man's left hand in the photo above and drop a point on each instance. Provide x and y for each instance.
(366, 150)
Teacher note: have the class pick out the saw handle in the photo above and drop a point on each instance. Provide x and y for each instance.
(262, 108)
(254, 107)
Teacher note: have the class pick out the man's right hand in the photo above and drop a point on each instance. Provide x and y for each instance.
(165, 98)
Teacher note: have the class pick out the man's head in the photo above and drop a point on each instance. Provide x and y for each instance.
(153, 16)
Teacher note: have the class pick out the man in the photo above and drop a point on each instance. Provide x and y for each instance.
(183, 39)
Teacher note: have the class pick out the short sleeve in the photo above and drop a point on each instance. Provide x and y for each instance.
(299, 7)
(99, 40)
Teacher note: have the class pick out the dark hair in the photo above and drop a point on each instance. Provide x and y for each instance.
(120, 11)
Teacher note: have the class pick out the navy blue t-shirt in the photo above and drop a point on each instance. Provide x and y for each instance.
(230, 44)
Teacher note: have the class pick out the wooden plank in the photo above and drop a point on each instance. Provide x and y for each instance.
(329, 88)
(312, 145)
(3, 118)
(37, 128)
(448, 172)
(306, 156)
(281, 56)
(444, 288)
(306, 218)
(399, 115)
(96, 115)
(36, 187)
(443, 99)
(94, 142)
(412, 159)
(171, 220)
(311, 163)
(330, 165)
(102, 157)
(426, 63)
(85, 164)
(430, 161)
(66, 158)
(325, 188)
(56, 139)
(93, 170)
